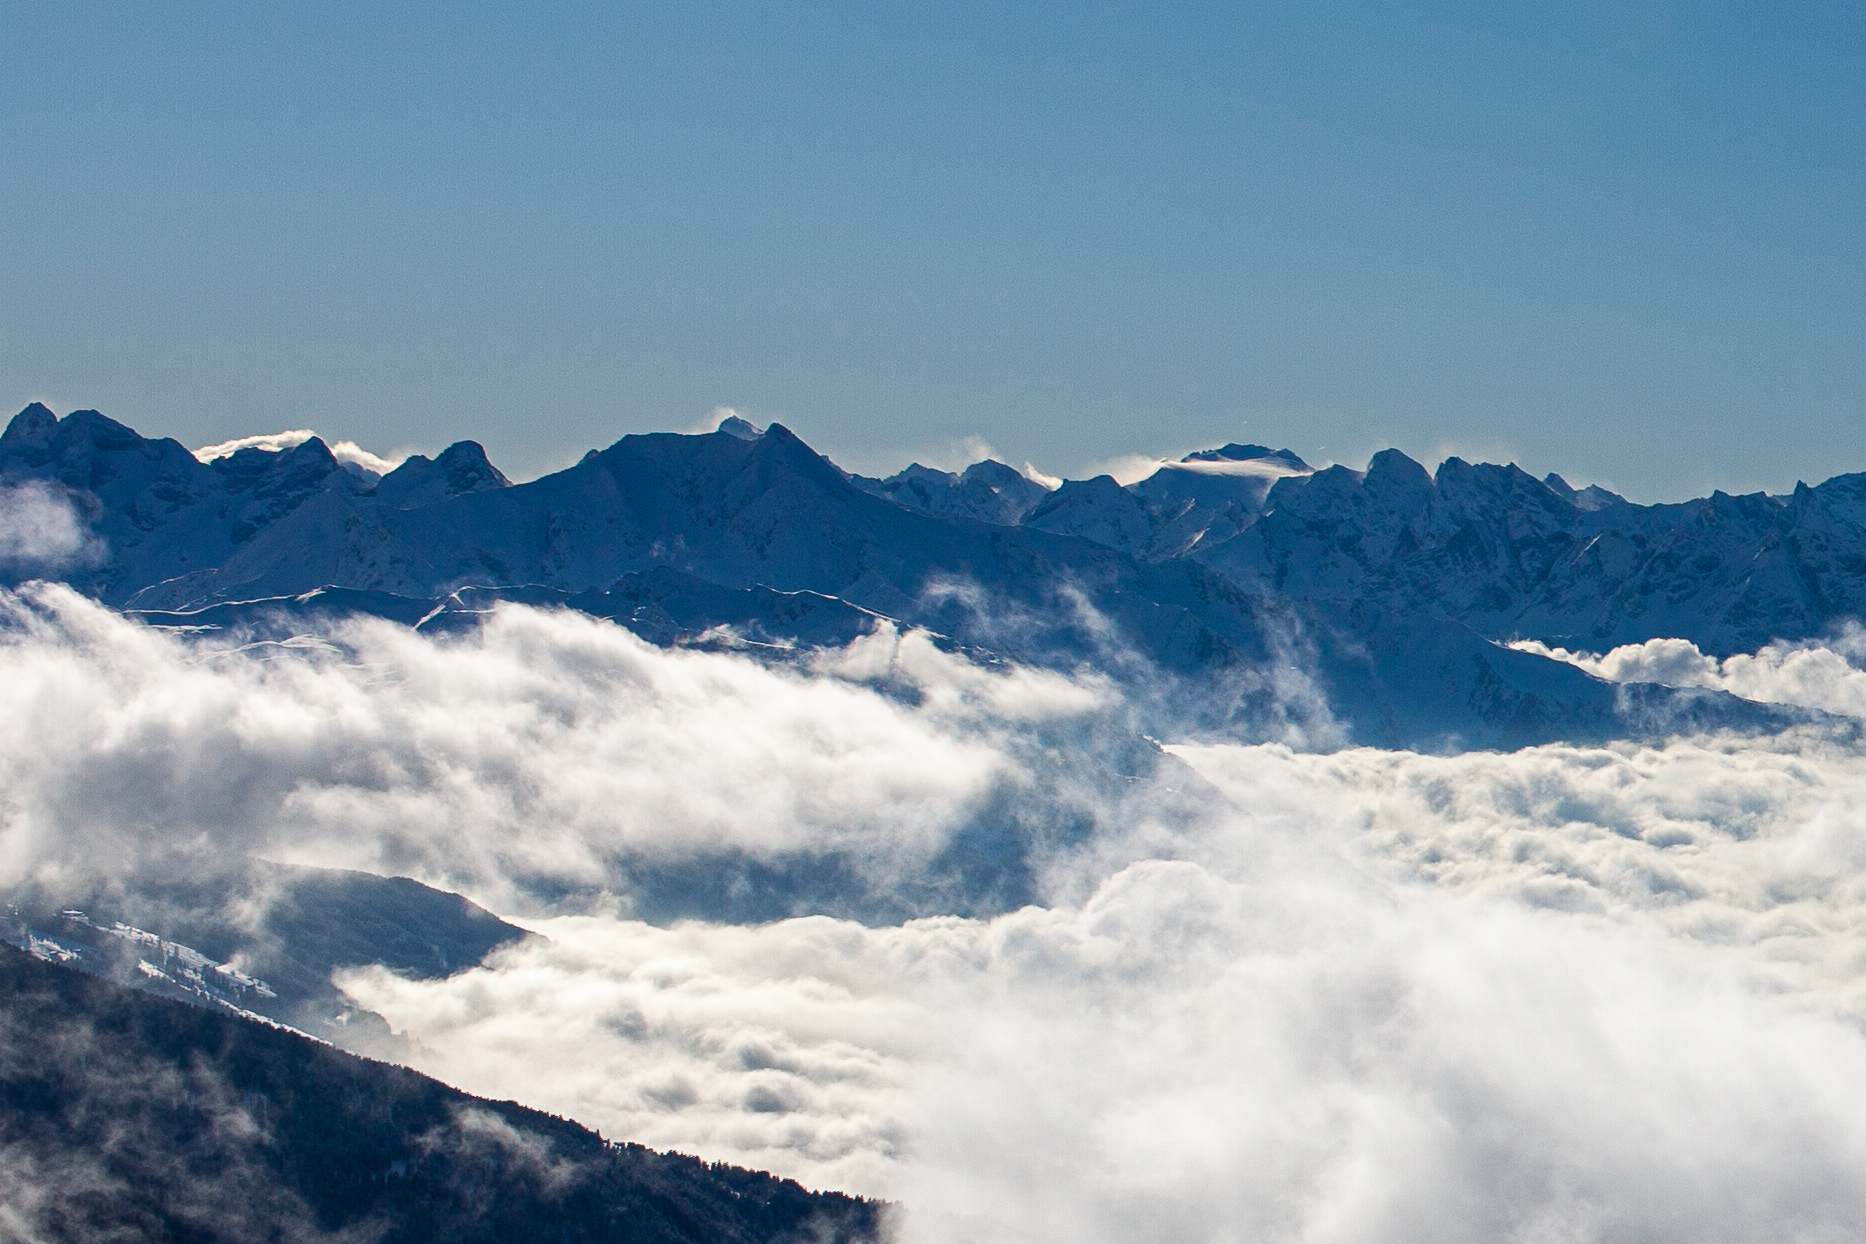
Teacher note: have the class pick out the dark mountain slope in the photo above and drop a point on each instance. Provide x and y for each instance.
(130, 1118)
(289, 927)
(771, 513)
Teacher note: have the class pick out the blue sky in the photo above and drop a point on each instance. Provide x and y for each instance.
(1622, 242)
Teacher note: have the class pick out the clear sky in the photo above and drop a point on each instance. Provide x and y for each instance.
(1625, 242)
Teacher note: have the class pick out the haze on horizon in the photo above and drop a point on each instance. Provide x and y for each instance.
(1624, 245)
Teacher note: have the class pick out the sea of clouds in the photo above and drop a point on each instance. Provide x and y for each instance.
(1565, 993)
(534, 753)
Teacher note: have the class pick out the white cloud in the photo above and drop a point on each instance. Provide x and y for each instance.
(1822, 674)
(271, 442)
(1051, 482)
(1751, 846)
(39, 530)
(546, 746)
(356, 455)
(1296, 1053)
(1567, 993)
(1564, 993)
(1126, 468)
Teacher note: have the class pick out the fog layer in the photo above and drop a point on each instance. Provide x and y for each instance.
(1566, 993)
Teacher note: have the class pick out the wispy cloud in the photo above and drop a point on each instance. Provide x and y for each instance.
(271, 442)
(1126, 468)
(41, 530)
(274, 442)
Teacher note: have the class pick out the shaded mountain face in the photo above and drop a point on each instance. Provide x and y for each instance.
(734, 512)
(1219, 567)
(250, 935)
(126, 1117)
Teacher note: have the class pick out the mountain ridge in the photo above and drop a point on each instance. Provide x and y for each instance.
(132, 1117)
(1226, 562)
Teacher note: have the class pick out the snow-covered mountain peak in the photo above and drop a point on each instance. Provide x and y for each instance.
(1250, 453)
(351, 456)
(1198, 562)
(988, 490)
(1203, 498)
(461, 468)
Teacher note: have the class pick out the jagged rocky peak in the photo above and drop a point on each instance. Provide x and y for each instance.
(33, 423)
(468, 469)
(259, 459)
(459, 469)
(732, 425)
(988, 490)
(1395, 470)
(295, 467)
(997, 474)
(1591, 498)
(100, 431)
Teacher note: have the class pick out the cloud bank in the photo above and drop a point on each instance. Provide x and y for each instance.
(539, 750)
(1298, 1054)
(1566, 993)
(1825, 674)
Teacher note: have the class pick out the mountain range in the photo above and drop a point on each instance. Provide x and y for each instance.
(1237, 593)
(1394, 588)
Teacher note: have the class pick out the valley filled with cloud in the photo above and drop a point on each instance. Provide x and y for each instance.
(996, 624)
(1242, 990)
